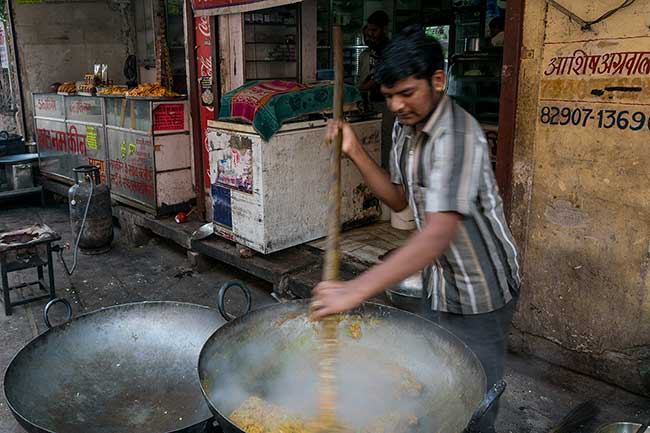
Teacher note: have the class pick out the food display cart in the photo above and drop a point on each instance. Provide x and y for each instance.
(271, 195)
(149, 152)
(70, 132)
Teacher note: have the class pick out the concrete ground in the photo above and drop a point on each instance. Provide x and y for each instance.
(538, 394)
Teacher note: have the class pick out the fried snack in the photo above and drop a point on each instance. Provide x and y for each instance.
(151, 90)
(87, 88)
(68, 87)
(113, 90)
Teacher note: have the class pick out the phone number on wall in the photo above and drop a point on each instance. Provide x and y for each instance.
(588, 117)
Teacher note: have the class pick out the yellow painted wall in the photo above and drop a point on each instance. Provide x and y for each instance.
(581, 193)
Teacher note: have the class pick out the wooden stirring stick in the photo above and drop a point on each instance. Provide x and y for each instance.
(332, 271)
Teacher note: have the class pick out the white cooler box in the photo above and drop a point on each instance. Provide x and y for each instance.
(271, 195)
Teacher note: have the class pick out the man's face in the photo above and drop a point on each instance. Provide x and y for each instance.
(412, 100)
(374, 35)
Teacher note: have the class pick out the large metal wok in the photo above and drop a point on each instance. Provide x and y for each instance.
(272, 353)
(124, 369)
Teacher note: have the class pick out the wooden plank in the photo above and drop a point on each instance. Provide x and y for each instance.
(271, 267)
(223, 36)
(300, 284)
(237, 47)
(194, 106)
(508, 104)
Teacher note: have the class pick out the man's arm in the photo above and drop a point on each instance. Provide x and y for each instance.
(375, 177)
(421, 250)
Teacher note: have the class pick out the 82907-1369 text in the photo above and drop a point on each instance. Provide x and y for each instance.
(585, 117)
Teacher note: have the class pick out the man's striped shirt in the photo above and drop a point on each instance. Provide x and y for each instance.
(446, 168)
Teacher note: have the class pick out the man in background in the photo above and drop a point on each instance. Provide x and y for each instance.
(375, 35)
(497, 26)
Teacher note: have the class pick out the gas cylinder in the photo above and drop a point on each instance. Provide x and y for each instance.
(90, 211)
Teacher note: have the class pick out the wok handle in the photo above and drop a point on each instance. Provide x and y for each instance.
(222, 296)
(46, 310)
(492, 396)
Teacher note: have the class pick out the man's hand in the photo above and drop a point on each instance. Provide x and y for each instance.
(331, 297)
(351, 143)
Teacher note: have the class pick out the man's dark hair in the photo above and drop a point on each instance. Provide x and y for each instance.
(411, 53)
(379, 18)
(498, 22)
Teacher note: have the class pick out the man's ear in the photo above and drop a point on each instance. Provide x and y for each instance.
(439, 80)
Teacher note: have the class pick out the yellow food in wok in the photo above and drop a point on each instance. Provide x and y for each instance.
(394, 411)
(256, 415)
(354, 330)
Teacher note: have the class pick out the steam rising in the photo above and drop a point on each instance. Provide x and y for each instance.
(386, 374)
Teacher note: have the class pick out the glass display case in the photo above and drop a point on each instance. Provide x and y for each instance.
(475, 83)
(70, 131)
(469, 24)
(323, 38)
(351, 17)
(272, 44)
(149, 153)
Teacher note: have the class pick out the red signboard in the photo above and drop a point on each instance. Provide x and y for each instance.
(217, 7)
(169, 117)
(209, 4)
(71, 142)
(46, 104)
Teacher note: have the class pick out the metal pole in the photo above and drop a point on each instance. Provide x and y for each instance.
(18, 95)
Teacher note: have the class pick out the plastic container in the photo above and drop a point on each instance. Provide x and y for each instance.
(403, 220)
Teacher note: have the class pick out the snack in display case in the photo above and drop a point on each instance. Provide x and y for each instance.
(86, 89)
(113, 90)
(67, 88)
(152, 90)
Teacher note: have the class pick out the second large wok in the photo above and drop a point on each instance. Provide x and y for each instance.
(130, 368)
(272, 353)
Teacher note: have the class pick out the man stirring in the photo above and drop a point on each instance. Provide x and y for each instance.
(440, 167)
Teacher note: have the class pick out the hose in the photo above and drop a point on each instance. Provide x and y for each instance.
(83, 223)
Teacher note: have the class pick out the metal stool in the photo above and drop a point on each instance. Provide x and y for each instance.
(26, 248)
